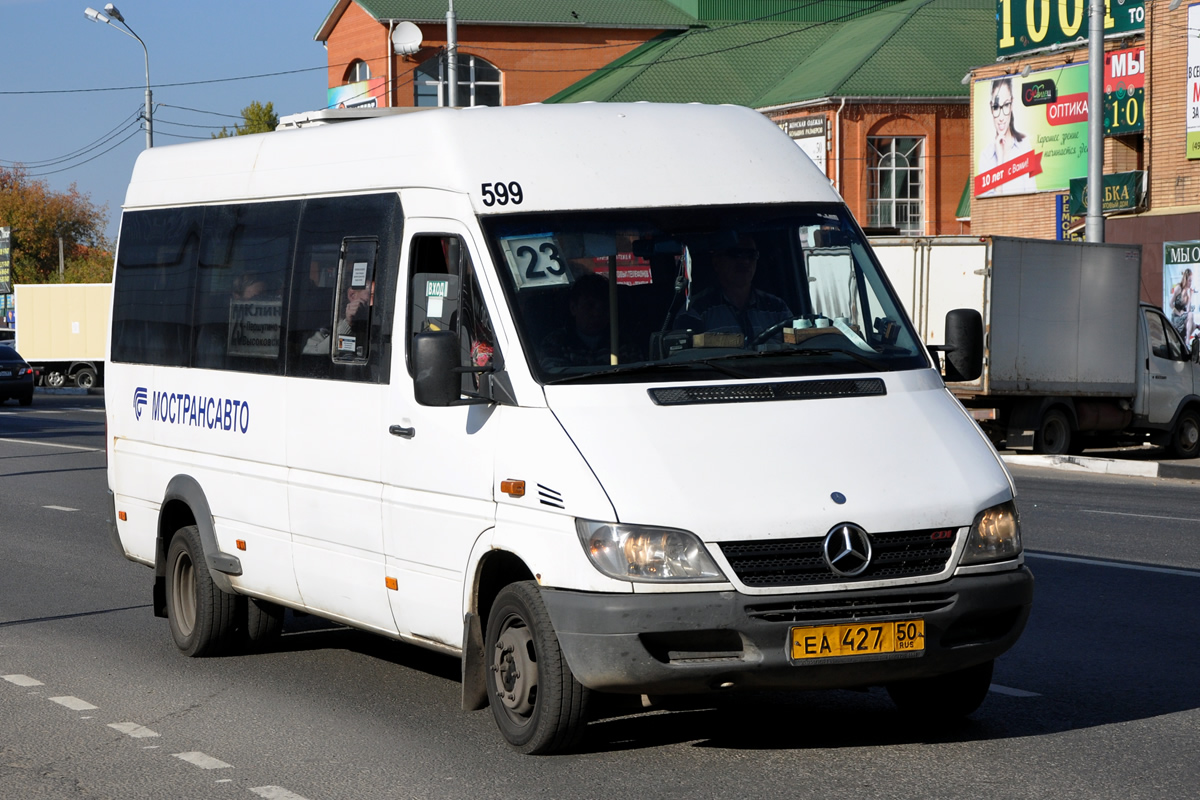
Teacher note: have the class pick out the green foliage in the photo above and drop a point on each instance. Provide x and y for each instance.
(256, 118)
(38, 217)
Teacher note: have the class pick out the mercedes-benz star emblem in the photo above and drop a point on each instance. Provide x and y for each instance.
(847, 550)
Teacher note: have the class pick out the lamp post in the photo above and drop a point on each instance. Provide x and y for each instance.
(111, 10)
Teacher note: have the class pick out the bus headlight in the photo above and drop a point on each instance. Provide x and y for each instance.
(995, 535)
(645, 554)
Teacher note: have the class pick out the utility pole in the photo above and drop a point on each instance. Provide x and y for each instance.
(452, 57)
(1093, 227)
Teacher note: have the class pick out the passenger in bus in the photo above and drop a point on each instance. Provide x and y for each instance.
(584, 340)
(353, 326)
(733, 304)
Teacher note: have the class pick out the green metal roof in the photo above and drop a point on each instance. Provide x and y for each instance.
(591, 13)
(910, 49)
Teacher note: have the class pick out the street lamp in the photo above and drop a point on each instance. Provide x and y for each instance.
(96, 16)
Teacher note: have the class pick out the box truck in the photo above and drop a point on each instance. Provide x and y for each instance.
(1072, 359)
(62, 329)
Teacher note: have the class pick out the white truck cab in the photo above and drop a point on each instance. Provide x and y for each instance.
(606, 397)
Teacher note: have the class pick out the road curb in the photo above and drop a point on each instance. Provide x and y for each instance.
(1105, 466)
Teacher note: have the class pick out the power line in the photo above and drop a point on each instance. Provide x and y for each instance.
(81, 151)
(93, 158)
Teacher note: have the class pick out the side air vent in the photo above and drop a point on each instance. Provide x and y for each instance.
(761, 392)
(549, 497)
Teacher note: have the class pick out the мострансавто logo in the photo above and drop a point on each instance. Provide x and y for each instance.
(192, 410)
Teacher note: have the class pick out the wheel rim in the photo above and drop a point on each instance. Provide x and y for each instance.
(183, 593)
(84, 380)
(1054, 434)
(1189, 434)
(54, 380)
(515, 670)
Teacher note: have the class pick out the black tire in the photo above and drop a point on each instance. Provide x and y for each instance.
(264, 621)
(85, 378)
(538, 705)
(1185, 438)
(1053, 435)
(944, 698)
(54, 379)
(202, 618)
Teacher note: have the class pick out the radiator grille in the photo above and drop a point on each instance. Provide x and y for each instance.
(799, 562)
(850, 609)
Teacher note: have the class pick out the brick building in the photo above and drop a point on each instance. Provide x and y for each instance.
(508, 53)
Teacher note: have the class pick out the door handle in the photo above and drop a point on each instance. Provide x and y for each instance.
(402, 432)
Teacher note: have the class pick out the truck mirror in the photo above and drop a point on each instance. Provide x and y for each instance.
(964, 345)
(435, 359)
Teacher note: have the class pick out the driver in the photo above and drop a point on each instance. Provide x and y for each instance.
(734, 305)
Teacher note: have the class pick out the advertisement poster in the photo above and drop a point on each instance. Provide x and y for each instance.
(1181, 260)
(363, 94)
(1022, 27)
(1193, 82)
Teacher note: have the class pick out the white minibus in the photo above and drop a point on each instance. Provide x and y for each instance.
(597, 398)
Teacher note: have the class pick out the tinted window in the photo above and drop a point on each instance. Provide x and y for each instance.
(153, 286)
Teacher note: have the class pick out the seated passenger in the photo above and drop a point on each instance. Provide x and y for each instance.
(585, 340)
(734, 305)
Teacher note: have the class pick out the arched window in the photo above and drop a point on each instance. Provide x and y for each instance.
(478, 82)
(896, 178)
(358, 71)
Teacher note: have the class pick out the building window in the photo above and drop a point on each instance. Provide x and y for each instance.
(478, 82)
(896, 177)
(359, 71)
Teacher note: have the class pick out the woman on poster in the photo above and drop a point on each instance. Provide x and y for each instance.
(1181, 307)
(1007, 142)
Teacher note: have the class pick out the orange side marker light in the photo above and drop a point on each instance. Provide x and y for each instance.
(391, 583)
(513, 488)
(241, 544)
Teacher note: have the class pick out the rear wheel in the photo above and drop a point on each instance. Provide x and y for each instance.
(85, 378)
(536, 701)
(1185, 439)
(1053, 436)
(201, 616)
(944, 698)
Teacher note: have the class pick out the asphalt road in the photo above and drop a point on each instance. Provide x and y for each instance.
(1099, 699)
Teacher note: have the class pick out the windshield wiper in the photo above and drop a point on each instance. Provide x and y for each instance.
(657, 366)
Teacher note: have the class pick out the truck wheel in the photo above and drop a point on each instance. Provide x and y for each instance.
(85, 378)
(54, 379)
(536, 701)
(1185, 439)
(1053, 436)
(202, 617)
(943, 698)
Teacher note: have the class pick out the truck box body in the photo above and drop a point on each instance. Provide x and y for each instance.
(1059, 317)
(62, 328)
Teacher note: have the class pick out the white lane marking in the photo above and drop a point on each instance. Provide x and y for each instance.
(1097, 563)
(998, 689)
(60, 508)
(152, 747)
(133, 729)
(1139, 516)
(225, 780)
(22, 680)
(74, 703)
(50, 444)
(202, 761)
(276, 793)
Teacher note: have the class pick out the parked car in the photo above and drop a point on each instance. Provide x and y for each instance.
(16, 376)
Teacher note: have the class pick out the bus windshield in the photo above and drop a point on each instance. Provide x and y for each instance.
(675, 293)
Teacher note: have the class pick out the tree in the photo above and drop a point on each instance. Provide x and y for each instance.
(256, 118)
(39, 217)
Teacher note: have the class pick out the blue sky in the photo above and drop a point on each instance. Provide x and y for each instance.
(48, 47)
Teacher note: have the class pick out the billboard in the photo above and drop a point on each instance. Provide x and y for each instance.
(362, 94)
(1193, 82)
(1023, 26)
(5, 261)
(1181, 260)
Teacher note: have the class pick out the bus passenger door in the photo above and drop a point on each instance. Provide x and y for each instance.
(438, 462)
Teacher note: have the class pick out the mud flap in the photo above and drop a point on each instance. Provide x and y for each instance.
(474, 683)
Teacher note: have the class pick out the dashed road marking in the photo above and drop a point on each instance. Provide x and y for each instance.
(50, 444)
(74, 703)
(275, 793)
(202, 761)
(1095, 562)
(23, 680)
(998, 689)
(133, 729)
(60, 508)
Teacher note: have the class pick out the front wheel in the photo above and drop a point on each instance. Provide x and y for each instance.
(536, 701)
(54, 379)
(944, 698)
(1185, 439)
(201, 616)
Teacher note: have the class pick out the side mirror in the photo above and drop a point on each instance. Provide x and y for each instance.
(435, 358)
(964, 345)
